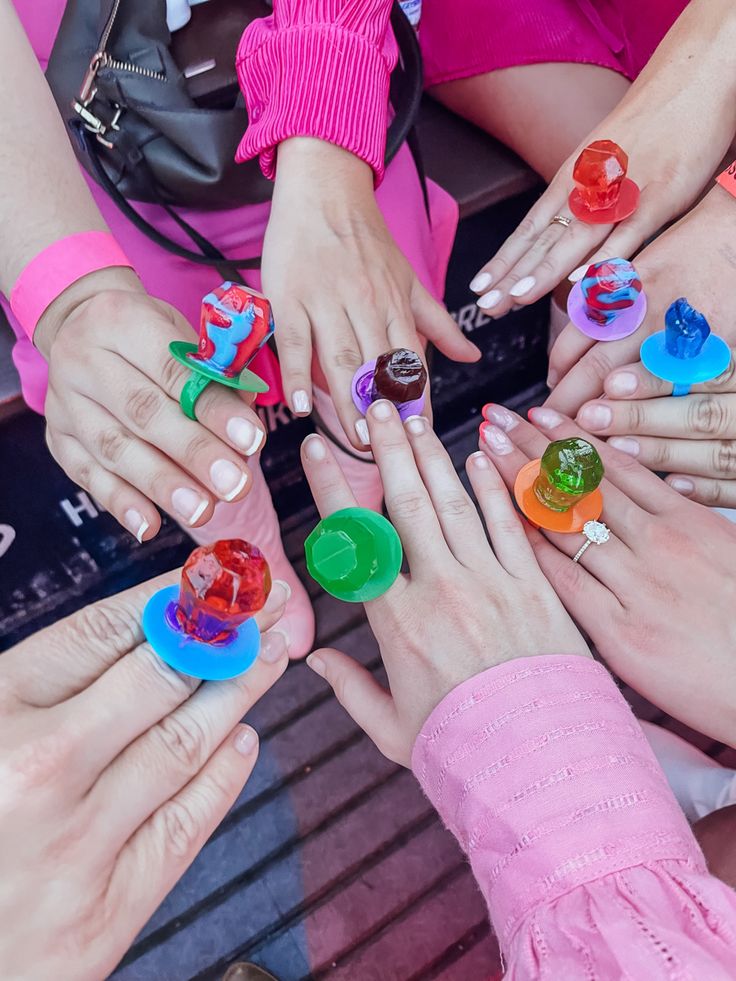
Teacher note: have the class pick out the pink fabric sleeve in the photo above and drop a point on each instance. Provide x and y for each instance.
(587, 863)
(318, 68)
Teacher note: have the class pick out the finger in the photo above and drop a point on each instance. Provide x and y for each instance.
(64, 659)
(169, 752)
(158, 853)
(407, 500)
(330, 489)
(697, 417)
(124, 502)
(366, 702)
(584, 381)
(705, 490)
(567, 350)
(457, 515)
(634, 381)
(504, 525)
(698, 457)
(294, 344)
(436, 325)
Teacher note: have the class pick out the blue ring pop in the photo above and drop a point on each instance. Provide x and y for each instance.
(685, 353)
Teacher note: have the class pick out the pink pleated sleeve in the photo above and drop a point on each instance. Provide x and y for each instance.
(318, 68)
(588, 866)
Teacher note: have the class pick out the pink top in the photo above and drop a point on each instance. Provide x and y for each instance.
(587, 863)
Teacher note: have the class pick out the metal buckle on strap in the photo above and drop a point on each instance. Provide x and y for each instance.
(96, 125)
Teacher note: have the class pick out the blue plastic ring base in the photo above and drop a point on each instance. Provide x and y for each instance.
(193, 657)
(712, 361)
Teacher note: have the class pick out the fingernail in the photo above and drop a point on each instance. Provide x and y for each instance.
(546, 418)
(246, 740)
(316, 664)
(381, 410)
(496, 439)
(622, 383)
(489, 300)
(480, 460)
(502, 417)
(274, 645)
(227, 479)
(314, 447)
(416, 425)
(577, 274)
(361, 428)
(682, 485)
(278, 597)
(626, 444)
(300, 401)
(188, 504)
(523, 286)
(135, 523)
(246, 436)
(481, 282)
(552, 378)
(595, 417)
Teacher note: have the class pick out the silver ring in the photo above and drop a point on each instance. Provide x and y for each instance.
(561, 220)
(596, 533)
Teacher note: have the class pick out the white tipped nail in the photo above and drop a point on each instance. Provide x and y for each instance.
(523, 286)
(577, 274)
(188, 504)
(136, 523)
(245, 434)
(489, 300)
(361, 428)
(237, 489)
(481, 282)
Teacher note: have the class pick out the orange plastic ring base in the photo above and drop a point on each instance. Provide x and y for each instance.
(626, 205)
(566, 522)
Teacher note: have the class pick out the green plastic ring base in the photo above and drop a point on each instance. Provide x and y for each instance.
(202, 375)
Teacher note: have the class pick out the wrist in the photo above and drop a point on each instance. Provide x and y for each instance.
(308, 162)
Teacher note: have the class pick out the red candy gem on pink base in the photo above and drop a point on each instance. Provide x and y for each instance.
(603, 193)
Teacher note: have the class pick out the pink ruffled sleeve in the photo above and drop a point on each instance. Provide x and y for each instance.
(318, 68)
(587, 863)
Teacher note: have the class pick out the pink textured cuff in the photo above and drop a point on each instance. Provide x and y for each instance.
(56, 268)
(322, 81)
(543, 774)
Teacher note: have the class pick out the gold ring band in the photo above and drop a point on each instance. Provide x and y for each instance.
(561, 220)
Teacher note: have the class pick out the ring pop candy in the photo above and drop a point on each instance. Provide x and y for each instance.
(603, 194)
(608, 303)
(398, 375)
(234, 324)
(204, 628)
(560, 492)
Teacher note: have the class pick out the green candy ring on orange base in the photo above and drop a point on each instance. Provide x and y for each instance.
(565, 522)
(202, 375)
(354, 554)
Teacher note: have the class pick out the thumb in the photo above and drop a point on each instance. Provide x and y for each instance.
(366, 702)
(435, 324)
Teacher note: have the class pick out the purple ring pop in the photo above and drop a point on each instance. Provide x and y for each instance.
(398, 375)
(608, 303)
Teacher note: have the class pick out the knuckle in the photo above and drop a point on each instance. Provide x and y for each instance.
(455, 507)
(599, 363)
(407, 505)
(527, 229)
(199, 446)
(724, 457)
(143, 405)
(184, 741)
(104, 627)
(180, 828)
(347, 357)
(180, 686)
(568, 577)
(547, 268)
(111, 444)
(708, 415)
(173, 375)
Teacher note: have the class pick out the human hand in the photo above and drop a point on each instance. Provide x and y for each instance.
(337, 282)
(462, 608)
(114, 771)
(665, 555)
(113, 421)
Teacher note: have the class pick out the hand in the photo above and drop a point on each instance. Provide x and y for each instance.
(113, 419)
(114, 772)
(656, 599)
(695, 259)
(675, 124)
(337, 281)
(463, 608)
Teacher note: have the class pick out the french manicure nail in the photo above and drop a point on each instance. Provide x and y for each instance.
(381, 410)
(500, 416)
(622, 383)
(416, 425)
(546, 418)
(682, 485)
(316, 664)
(626, 444)
(361, 428)
(481, 282)
(523, 286)
(188, 504)
(136, 523)
(227, 479)
(480, 460)
(489, 300)
(497, 440)
(246, 436)
(246, 740)
(577, 274)
(595, 417)
(274, 644)
(314, 447)
(278, 597)
(300, 401)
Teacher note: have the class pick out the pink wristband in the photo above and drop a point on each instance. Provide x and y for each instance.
(55, 269)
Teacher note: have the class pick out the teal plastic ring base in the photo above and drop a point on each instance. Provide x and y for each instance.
(712, 361)
(193, 657)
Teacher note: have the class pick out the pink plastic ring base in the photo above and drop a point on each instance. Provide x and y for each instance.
(625, 324)
(626, 205)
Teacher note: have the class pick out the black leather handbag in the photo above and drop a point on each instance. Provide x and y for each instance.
(157, 117)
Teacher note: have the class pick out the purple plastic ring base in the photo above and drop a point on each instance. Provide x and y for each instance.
(361, 391)
(625, 323)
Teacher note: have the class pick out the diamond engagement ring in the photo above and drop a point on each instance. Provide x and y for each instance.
(596, 533)
(561, 220)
